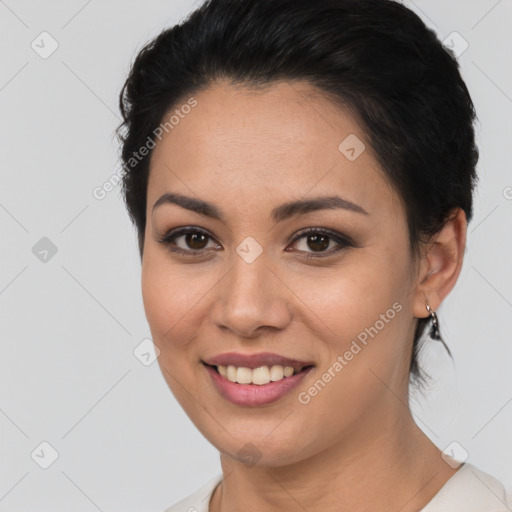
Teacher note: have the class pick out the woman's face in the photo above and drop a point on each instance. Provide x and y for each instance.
(251, 282)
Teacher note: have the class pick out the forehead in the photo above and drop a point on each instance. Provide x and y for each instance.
(278, 141)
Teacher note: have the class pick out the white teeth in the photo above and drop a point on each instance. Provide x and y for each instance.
(243, 375)
(258, 376)
(231, 373)
(276, 372)
(288, 371)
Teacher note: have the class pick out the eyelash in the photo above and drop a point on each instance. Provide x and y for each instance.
(344, 241)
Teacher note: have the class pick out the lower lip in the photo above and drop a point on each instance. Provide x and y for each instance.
(253, 395)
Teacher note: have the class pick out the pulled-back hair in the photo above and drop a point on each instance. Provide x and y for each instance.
(374, 57)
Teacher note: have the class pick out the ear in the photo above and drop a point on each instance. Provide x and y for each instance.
(440, 264)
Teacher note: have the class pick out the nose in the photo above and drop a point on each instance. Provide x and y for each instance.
(251, 299)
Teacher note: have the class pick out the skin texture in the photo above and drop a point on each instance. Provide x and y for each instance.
(354, 446)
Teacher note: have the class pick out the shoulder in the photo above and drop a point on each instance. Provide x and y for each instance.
(470, 490)
(199, 500)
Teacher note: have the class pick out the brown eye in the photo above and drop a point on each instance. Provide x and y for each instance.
(319, 240)
(196, 241)
(188, 241)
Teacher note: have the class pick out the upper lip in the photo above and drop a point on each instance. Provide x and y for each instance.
(255, 360)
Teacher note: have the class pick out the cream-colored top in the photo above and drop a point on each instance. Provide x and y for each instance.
(468, 490)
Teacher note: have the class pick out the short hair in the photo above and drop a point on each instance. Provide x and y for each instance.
(374, 57)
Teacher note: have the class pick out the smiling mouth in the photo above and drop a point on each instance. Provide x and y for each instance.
(258, 376)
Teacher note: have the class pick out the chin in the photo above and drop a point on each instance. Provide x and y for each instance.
(258, 449)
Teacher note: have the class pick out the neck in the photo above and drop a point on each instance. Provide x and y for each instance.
(399, 469)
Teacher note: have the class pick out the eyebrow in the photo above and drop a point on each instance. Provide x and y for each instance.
(278, 214)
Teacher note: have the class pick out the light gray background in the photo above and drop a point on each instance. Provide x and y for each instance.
(69, 326)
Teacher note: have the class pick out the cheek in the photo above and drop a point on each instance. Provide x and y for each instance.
(365, 319)
(167, 296)
(364, 313)
(175, 296)
(353, 297)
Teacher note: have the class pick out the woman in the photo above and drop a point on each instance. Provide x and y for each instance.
(300, 175)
